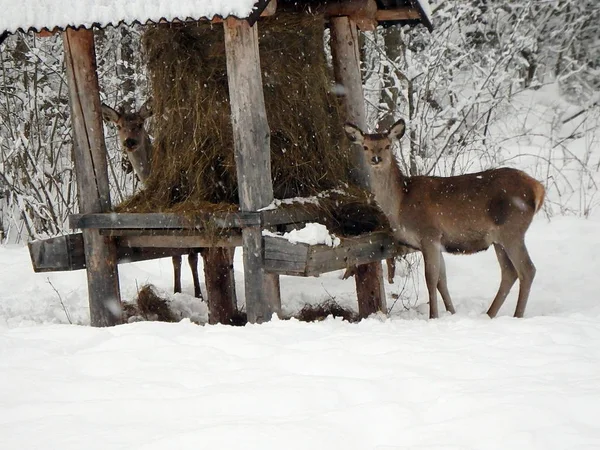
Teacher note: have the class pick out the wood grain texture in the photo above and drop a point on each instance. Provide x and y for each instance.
(92, 175)
(251, 137)
(346, 65)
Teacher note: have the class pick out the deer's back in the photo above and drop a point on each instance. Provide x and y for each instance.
(469, 212)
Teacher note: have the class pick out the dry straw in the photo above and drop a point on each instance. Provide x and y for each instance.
(193, 166)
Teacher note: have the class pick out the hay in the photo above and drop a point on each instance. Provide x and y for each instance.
(193, 146)
(314, 313)
(152, 307)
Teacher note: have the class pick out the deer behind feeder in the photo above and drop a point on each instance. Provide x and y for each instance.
(459, 214)
(137, 146)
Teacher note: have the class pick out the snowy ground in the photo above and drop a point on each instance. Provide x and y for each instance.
(460, 382)
(397, 382)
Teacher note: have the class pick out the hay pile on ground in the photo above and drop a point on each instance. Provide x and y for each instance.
(193, 166)
(314, 313)
(148, 306)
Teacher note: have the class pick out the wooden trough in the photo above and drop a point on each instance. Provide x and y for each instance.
(285, 258)
(142, 237)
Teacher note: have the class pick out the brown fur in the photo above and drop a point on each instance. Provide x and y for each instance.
(137, 146)
(460, 214)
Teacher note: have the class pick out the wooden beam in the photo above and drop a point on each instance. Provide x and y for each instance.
(221, 220)
(362, 12)
(346, 67)
(300, 259)
(164, 220)
(251, 137)
(45, 32)
(269, 10)
(66, 253)
(390, 15)
(196, 242)
(92, 175)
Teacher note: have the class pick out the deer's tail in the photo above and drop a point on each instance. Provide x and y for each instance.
(539, 193)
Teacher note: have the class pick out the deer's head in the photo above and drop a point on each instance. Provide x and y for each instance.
(377, 147)
(130, 126)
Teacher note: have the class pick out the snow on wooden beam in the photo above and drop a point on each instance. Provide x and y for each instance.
(38, 15)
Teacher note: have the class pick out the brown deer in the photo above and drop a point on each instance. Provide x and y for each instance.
(138, 149)
(459, 214)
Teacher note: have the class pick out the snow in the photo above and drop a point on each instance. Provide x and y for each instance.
(311, 233)
(402, 382)
(40, 14)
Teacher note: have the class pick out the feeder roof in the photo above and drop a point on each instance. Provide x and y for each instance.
(36, 15)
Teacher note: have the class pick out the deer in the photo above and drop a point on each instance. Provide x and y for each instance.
(137, 147)
(461, 214)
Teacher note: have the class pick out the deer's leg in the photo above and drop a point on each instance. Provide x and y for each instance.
(193, 262)
(443, 287)
(431, 258)
(509, 276)
(177, 274)
(391, 269)
(519, 256)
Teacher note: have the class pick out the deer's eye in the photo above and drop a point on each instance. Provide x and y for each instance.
(365, 148)
(387, 147)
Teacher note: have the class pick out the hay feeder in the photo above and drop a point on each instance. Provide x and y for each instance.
(109, 238)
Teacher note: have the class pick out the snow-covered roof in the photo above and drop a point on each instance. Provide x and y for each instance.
(39, 14)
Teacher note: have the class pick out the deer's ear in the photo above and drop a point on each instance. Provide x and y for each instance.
(109, 114)
(397, 130)
(354, 133)
(146, 109)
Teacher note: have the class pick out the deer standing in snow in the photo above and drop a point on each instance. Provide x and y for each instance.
(138, 149)
(459, 214)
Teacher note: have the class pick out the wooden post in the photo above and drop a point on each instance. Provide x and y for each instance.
(252, 145)
(346, 66)
(92, 176)
(220, 284)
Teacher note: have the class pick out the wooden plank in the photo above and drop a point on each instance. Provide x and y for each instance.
(65, 253)
(275, 246)
(290, 268)
(92, 175)
(171, 221)
(285, 258)
(385, 15)
(251, 137)
(196, 242)
(361, 12)
(289, 214)
(346, 67)
(352, 252)
(58, 253)
(164, 220)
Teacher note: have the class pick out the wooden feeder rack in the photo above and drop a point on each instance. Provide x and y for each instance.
(108, 239)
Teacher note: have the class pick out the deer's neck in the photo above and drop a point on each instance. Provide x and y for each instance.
(388, 188)
(141, 158)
